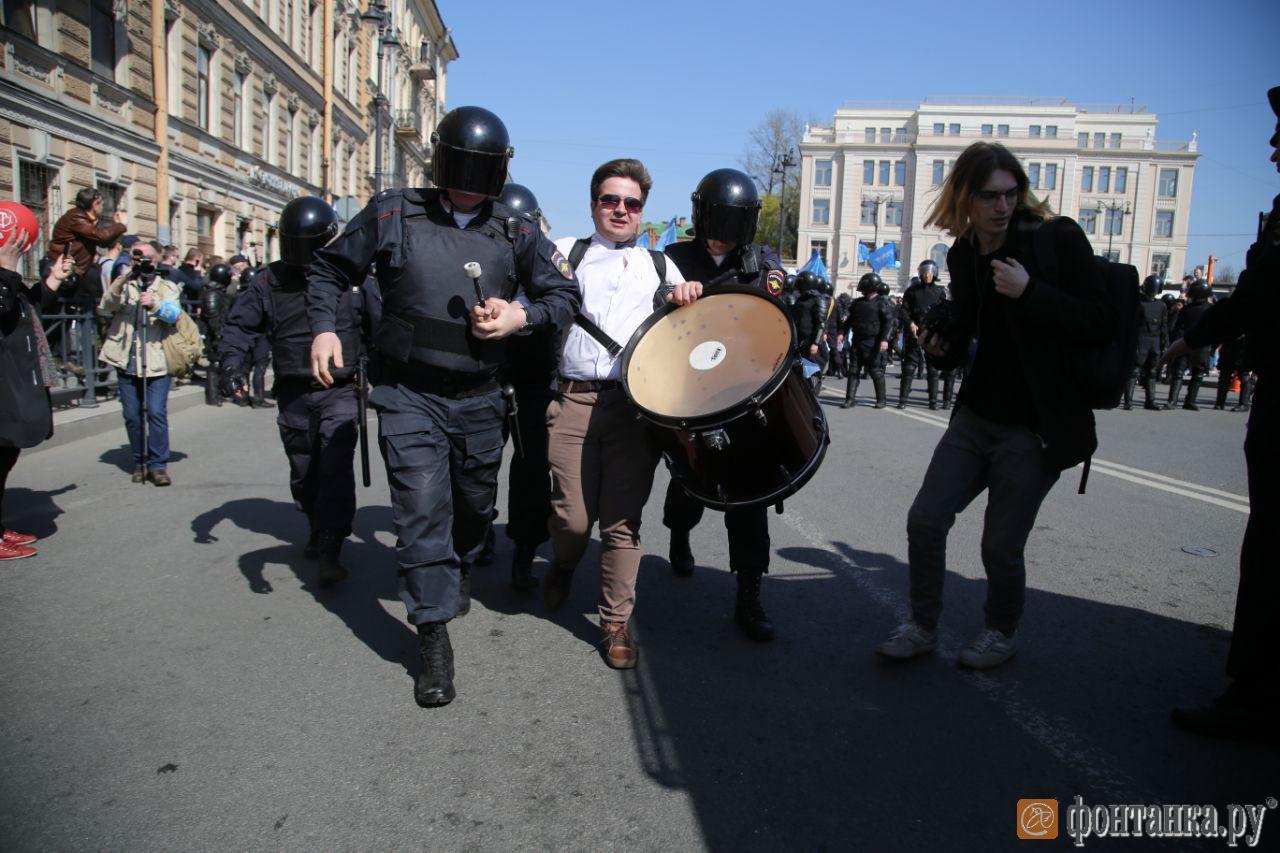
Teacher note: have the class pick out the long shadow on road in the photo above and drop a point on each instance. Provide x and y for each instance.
(812, 743)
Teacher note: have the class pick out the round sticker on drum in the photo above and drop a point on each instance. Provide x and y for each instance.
(707, 355)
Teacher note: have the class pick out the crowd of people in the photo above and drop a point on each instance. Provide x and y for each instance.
(451, 313)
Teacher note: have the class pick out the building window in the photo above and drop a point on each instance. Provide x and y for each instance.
(821, 247)
(202, 86)
(315, 160)
(884, 173)
(1051, 176)
(938, 254)
(1088, 220)
(1163, 224)
(939, 169)
(19, 16)
(112, 199)
(1099, 140)
(1115, 140)
(939, 128)
(869, 172)
(1051, 131)
(1083, 140)
(1113, 256)
(1115, 222)
(239, 121)
(886, 134)
(822, 211)
(291, 142)
(1086, 179)
(822, 173)
(206, 220)
(869, 134)
(1104, 179)
(1002, 130)
(893, 213)
(988, 129)
(1034, 131)
(1122, 178)
(268, 124)
(1160, 264)
(900, 135)
(1168, 187)
(900, 174)
(1033, 175)
(38, 190)
(102, 37)
(869, 209)
(955, 130)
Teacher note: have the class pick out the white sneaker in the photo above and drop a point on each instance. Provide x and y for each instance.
(907, 641)
(990, 649)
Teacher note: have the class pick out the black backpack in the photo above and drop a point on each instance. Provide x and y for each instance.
(1105, 369)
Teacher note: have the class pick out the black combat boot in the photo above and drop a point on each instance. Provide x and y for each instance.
(329, 546)
(850, 392)
(485, 557)
(681, 555)
(522, 567)
(1175, 389)
(904, 387)
(434, 686)
(1150, 388)
(1193, 390)
(464, 590)
(312, 549)
(948, 385)
(1224, 388)
(749, 614)
(932, 384)
(212, 396)
(1128, 393)
(1246, 394)
(259, 399)
(877, 380)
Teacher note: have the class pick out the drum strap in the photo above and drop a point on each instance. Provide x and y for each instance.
(588, 325)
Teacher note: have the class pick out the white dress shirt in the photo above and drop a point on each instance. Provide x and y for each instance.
(617, 295)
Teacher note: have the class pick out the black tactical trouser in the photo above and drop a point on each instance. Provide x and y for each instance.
(1197, 362)
(442, 456)
(1144, 370)
(318, 430)
(865, 354)
(748, 528)
(912, 360)
(529, 479)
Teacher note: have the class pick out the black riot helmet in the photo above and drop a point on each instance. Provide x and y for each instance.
(789, 283)
(930, 267)
(469, 152)
(307, 224)
(827, 287)
(1168, 299)
(521, 199)
(868, 284)
(1150, 286)
(1199, 290)
(220, 274)
(808, 282)
(726, 207)
(882, 288)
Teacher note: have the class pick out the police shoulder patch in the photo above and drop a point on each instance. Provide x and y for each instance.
(773, 282)
(562, 264)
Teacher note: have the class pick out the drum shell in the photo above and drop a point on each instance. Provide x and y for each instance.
(757, 455)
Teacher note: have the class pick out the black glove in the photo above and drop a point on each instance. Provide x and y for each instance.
(233, 382)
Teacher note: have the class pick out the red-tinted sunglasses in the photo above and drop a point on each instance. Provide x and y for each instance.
(611, 200)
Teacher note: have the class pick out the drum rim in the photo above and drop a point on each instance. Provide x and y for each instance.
(722, 415)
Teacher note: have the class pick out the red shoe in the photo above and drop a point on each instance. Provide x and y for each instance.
(14, 552)
(12, 537)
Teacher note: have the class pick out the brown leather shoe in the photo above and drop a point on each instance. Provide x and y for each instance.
(555, 586)
(159, 476)
(139, 474)
(616, 646)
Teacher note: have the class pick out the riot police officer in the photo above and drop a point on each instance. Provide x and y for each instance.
(531, 369)
(726, 208)
(1153, 338)
(809, 315)
(895, 321)
(839, 353)
(790, 293)
(213, 311)
(438, 395)
(867, 329)
(317, 425)
(1197, 360)
(919, 298)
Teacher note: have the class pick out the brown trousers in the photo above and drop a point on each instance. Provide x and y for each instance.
(602, 464)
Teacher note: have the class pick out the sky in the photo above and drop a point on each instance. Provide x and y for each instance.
(578, 83)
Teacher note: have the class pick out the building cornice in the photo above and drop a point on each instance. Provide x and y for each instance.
(40, 111)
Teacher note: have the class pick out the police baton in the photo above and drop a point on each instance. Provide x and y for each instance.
(362, 412)
(472, 269)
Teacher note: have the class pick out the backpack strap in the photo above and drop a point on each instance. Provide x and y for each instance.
(659, 264)
(588, 325)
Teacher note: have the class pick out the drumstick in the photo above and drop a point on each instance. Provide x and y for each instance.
(472, 269)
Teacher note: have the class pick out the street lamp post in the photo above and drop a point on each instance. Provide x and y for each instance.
(877, 201)
(380, 15)
(1113, 207)
(782, 162)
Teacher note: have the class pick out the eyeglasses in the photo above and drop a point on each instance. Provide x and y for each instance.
(990, 197)
(611, 200)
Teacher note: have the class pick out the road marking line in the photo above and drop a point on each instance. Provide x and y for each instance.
(1150, 479)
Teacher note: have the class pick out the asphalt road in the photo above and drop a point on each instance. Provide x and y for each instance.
(172, 679)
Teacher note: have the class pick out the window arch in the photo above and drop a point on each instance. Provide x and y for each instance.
(938, 254)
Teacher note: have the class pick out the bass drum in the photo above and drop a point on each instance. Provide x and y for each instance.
(737, 423)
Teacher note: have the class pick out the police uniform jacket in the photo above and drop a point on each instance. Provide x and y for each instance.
(919, 298)
(868, 320)
(758, 265)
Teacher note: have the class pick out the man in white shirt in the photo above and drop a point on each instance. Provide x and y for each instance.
(602, 458)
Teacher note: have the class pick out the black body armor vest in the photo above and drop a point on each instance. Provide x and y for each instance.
(291, 333)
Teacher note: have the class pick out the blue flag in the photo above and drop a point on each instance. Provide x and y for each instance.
(668, 235)
(883, 257)
(815, 265)
(642, 242)
(862, 253)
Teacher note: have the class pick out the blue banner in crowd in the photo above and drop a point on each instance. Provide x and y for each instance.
(815, 265)
(668, 236)
(862, 253)
(642, 242)
(885, 256)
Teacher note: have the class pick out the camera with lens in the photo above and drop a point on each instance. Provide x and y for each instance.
(142, 271)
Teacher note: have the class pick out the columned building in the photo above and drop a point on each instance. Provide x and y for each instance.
(871, 176)
(203, 118)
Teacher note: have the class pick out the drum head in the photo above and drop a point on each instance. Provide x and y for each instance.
(706, 358)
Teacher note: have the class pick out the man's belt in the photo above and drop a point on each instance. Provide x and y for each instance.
(587, 386)
(441, 383)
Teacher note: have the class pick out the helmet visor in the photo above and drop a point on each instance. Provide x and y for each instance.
(468, 171)
(727, 223)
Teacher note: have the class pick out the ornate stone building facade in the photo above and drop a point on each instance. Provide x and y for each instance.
(254, 105)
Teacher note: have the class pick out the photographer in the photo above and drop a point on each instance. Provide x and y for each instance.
(139, 301)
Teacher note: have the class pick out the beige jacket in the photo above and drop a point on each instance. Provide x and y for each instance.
(121, 300)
